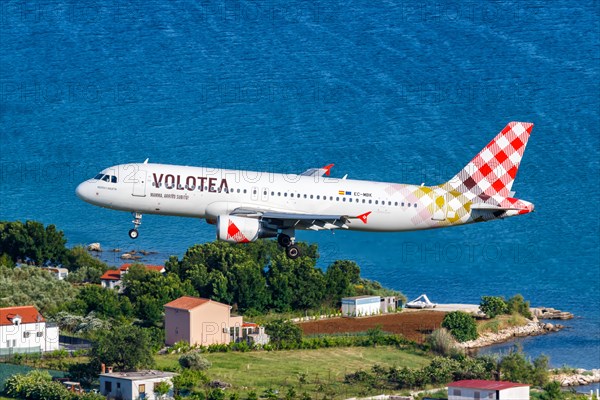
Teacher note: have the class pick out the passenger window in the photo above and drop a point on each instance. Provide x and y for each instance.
(311, 196)
(272, 193)
(343, 199)
(305, 196)
(402, 204)
(415, 205)
(363, 201)
(285, 194)
(337, 199)
(409, 204)
(318, 197)
(370, 201)
(245, 191)
(278, 193)
(376, 201)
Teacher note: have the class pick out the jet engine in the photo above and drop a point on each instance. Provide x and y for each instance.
(231, 228)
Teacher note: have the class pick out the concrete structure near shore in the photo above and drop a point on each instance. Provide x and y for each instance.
(362, 306)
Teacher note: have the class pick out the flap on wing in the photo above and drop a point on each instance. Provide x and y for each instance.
(326, 170)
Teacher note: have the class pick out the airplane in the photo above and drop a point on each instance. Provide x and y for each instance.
(248, 205)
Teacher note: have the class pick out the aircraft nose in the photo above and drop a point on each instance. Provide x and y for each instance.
(83, 191)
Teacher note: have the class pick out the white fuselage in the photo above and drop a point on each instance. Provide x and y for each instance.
(207, 192)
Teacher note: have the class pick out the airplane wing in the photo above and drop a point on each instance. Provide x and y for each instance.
(326, 170)
(316, 222)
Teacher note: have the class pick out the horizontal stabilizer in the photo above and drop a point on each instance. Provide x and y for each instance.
(491, 207)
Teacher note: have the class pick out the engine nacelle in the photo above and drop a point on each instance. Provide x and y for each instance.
(231, 228)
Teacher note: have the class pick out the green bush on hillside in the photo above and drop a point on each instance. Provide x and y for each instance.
(462, 325)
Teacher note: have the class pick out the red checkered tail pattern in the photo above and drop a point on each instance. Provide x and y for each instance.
(493, 170)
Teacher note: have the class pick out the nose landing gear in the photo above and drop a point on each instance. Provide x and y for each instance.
(137, 221)
(292, 251)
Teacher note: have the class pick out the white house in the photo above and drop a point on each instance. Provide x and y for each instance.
(487, 390)
(24, 330)
(360, 306)
(134, 385)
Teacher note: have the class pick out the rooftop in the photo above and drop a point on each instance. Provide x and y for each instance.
(28, 314)
(139, 375)
(111, 275)
(361, 297)
(488, 385)
(187, 302)
(157, 268)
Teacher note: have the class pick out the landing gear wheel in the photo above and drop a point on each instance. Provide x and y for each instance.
(133, 233)
(292, 251)
(284, 240)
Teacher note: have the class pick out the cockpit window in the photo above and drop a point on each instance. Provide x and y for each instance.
(113, 179)
(106, 178)
(99, 176)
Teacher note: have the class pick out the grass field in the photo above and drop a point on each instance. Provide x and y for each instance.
(316, 372)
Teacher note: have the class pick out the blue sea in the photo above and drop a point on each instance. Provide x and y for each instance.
(403, 91)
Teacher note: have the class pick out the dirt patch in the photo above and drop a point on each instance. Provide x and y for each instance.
(413, 325)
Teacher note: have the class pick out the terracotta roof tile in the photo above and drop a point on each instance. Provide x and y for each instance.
(111, 275)
(28, 314)
(489, 385)
(158, 268)
(187, 303)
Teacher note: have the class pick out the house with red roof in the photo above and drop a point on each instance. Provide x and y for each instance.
(112, 279)
(487, 390)
(24, 330)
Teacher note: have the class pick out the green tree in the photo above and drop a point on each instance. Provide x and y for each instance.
(517, 304)
(149, 291)
(340, 280)
(78, 257)
(249, 287)
(124, 347)
(283, 332)
(105, 303)
(493, 306)
(553, 391)
(33, 241)
(461, 325)
(34, 286)
(162, 388)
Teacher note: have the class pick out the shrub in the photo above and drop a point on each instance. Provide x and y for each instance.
(493, 306)
(442, 342)
(517, 304)
(195, 361)
(461, 325)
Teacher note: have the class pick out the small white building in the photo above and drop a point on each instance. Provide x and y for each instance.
(487, 390)
(360, 306)
(134, 385)
(24, 330)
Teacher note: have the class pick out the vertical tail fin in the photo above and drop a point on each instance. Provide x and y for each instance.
(492, 171)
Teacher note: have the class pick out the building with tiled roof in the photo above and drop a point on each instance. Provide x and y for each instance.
(112, 279)
(487, 390)
(24, 330)
(199, 321)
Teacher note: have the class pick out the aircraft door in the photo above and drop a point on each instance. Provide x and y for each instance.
(440, 206)
(139, 184)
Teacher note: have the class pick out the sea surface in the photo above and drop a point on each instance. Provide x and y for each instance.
(403, 91)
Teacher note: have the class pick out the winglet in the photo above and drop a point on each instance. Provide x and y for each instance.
(327, 169)
(363, 217)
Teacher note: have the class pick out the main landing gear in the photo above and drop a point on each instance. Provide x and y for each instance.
(292, 251)
(137, 221)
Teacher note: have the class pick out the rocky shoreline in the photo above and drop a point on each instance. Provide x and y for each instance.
(532, 328)
(580, 377)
